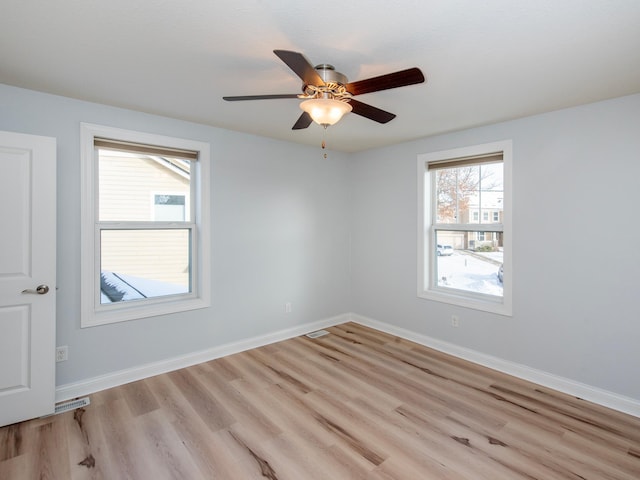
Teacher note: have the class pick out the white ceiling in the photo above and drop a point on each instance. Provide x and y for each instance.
(485, 61)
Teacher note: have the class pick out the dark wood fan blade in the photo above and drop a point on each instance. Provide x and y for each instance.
(402, 78)
(370, 112)
(260, 97)
(303, 122)
(301, 66)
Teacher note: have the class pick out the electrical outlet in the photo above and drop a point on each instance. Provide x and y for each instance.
(287, 307)
(455, 321)
(62, 353)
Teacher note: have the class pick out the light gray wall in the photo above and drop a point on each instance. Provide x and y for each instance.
(280, 234)
(576, 258)
(339, 234)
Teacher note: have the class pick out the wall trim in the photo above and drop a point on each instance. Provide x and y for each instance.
(579, 390)
(95, 384)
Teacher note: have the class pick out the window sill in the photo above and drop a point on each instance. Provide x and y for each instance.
(135, 312)
(481, 303)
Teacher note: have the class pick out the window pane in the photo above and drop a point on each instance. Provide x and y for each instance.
(138, 264)
(456, 190)
(128, 184)
(469, 194)
(469, 261)
(491, 192)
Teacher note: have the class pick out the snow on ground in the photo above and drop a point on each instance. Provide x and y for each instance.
(470, 273)
(497, 256)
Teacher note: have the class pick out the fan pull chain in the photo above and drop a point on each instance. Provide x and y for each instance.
(324, 144)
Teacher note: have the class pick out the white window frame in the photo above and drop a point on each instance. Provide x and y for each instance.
(92, 312)
(427, 286)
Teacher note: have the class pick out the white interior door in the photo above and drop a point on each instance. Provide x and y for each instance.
(27, 276)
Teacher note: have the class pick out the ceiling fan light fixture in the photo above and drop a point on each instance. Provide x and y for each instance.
(325, 111)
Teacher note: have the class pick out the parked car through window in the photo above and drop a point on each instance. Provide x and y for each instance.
(444, 250)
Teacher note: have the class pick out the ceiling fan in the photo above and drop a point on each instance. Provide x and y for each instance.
(328, 95)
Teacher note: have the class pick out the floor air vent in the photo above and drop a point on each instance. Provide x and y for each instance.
(317, 333)
(71, 405)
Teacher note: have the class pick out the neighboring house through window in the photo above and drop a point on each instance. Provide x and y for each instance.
(465, 202)
(170, 208)
(145, 225)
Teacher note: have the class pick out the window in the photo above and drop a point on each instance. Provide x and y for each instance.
(145, 225)
(464, 203)
(169, 207)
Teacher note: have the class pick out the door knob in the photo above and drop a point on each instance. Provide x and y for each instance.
(40, 290)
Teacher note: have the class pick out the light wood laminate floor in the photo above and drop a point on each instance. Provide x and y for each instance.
(355, 404)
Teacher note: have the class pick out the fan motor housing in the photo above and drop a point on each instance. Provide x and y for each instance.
(329, 75)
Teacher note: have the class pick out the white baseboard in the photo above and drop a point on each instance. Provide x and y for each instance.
(102, 382)
(561, 384)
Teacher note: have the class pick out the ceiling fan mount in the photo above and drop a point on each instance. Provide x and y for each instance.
(326, 91)
(333, 88)
(328, 74)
